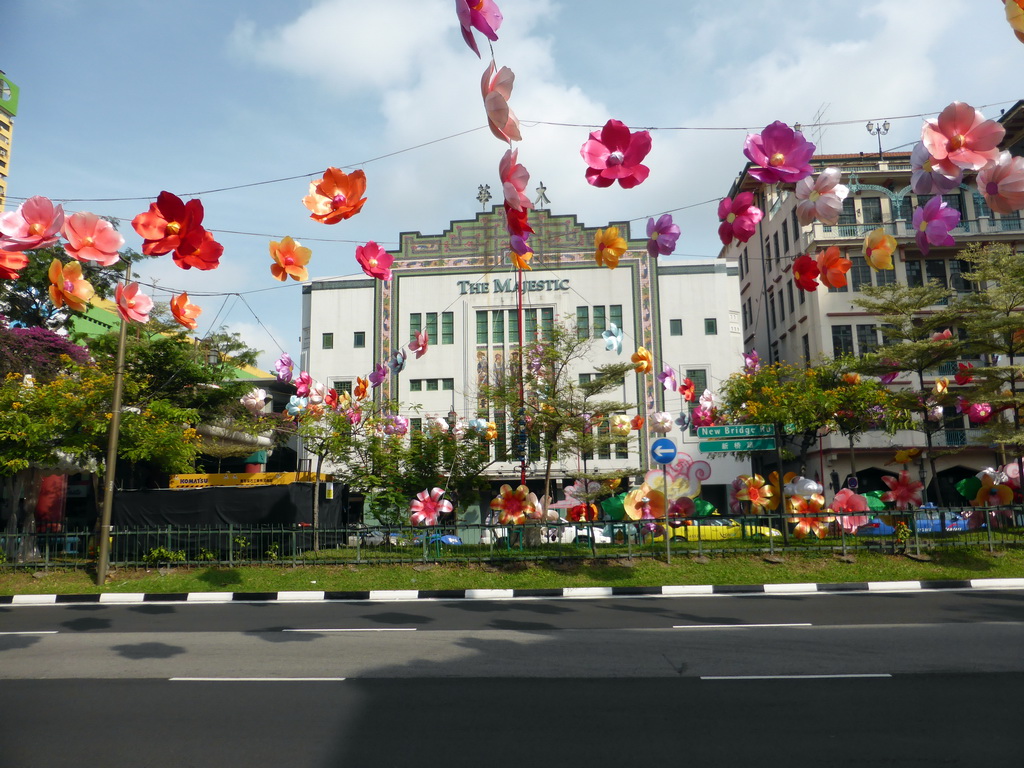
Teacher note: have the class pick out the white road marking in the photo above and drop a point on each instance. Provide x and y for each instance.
(36, 632)
(357, 629)
(737, 626)
(256, 679)
(795, 677)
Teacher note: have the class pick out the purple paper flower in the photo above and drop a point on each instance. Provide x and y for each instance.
(668, 378)
(663, 235)
(284, 366)
(781, 153)
(482, 15)
(378, 374)
(927, 177)
(751, 362)
(932, 224)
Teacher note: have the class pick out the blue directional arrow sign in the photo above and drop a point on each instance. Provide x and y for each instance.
(663, 450)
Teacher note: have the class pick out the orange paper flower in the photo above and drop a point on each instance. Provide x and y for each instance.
(608, 247)
(879, 248)
(833, 267)
(184, 312)
(10, 263)
(637, 423)
(756, 491)
(361, 388)
(68, 287)
(514, 506)
(642, 360)
(290, 259)
(337, 196)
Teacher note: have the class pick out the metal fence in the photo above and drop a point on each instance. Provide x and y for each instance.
(463, 543)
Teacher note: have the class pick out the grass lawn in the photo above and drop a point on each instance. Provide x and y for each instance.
(722, 569)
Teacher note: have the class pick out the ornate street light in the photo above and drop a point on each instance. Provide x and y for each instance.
(483, 195)
(879, 131)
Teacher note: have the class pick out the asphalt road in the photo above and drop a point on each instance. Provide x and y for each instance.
(822, 680)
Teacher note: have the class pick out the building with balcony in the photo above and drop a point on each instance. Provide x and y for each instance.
(8, 109)
(786, 324)
(460, 287)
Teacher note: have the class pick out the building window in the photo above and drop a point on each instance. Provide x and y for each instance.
(431, 385)
(582, 322)
(699, 377)
(867, 339)
(615, 315)
(622, 450)
(860, 274)
(498, 327)
(513, 326)
(531, 325)
(789, 297)
(842, 340)
(957, 267)
(547, 322)
(359, 339)
(785, 236)
(416, 425)
(432, 325)
(981, 207)
(604, 450)
(806, 340)
(778, 251)
(768, 252)
(600, 322)
(447, 328)
(771, 309)
(448, 385)
(710, 326)
(415, 385)
(745, 321)
(481, 327)
(342, 386)
(871, 210)
(782, 306)
(585, 378)
(327, 341)
(415, 325)
(848, 219)
(803, 297)
(935, 270)
(796, 229)
(675, 327)
(886, 276)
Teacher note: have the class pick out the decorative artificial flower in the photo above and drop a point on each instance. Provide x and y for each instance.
(184, 312)
(285, 367)
(805, 273)
(644, 503)
(683, 422)
(303, 384)
(668, 379)
(879, 246)
(481, 15)
(822, 198)
(962, 376)
(642, 360)
(336, 197)
(903, 492)
(779, 154)
(514, 178)
(354, 415)
(614, 154)
(852, 379)
(428, 506)
(661, 422)
(847, 503)
(905, 455)
(460, 428)
(962, 136)
(397, 425)
(979, 413)
(1015, 17)
(254, 400)
(613, 339)
(517, 221)
(396, 363)
(582, 513)
(361, 389)
(378, 374)
(491, 433)
(514, 506)
(889, 378)
(941, 386)
(751, 362)
(317, 393)
(944, 335)
(331, 399)
(496, 89)
(928, 177)
(703, 417)
(35, 224)
(933, 411)
(739, 218)
(295, 406)
(68, 287)
(662, 236)
(169, 224)
(435, 423)
(737, 485)
(688, 390)
(10, 263)
(419, 344)
(933, 222)
(637, 423)
(90, 238)
(290, 259)
(608, 247)
(1001, 183)
(756, 491)
(316, 410)
(520, 252)
(832, 267)
(992, 494)
(707, 399)
(203, 255)
(807, 516)
(374, 260)
(619, 425)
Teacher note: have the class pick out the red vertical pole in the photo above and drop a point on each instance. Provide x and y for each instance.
(524, 444)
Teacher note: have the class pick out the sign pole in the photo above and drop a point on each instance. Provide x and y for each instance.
(668, 528)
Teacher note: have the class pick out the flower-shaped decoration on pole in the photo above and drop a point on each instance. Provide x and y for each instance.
(933, 222)
(608, 247)
(285, 368)
(520, 253)
(361, 389)
(662, 236)
(90, 238)
(481, 15)
(755, 490)
(68, 287)
(688, 390)
(928, 176)
(636, 423)
(184, 313)
(290, 259)
(619, 425)
(317, 393)
(879, 246)
(336, 196)
(1001, 183)
(667, 377)
(643, 362)
(514, 506)
(11, 262)
(35, 224)
(1015, 17)
(683, 422)
(254, 400)
(832, 267)
(805, 273)
(779, 154)
(614, 154)
(644, 503)
(961, 136)
(496, 89)
(751, 362)
(661, 422)
(903, 492)
(992, 494)
(514, 179)
(303, 384)
(378, 374)
(739, 218)
(428, 506)
(374, 261)
(822, 198)
(419, 344)
(396, 363)
(807, 516)
(613, 339)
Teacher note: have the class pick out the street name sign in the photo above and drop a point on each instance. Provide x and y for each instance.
(746, 444)
(663, 450)
(736, 430)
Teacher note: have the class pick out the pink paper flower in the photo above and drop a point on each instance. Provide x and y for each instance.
(35, 224)
(662, 235)
(496, 89)
(845, 504)
(90, 238)
(928, 176)
(374, 260)
(614, 154)
(739, 218)
(481, 15)
(779, 154)
(131, 304)
(903, 492)
(661, 422)
(303, 384)
(668, 378)
(284, 367)
(428, 506)
(514, 178)
(1001, 183)
(751, 362)
(962, 136)
(703, 417)
(932, 224)
(419, 344)
(822, 198)
(979, 413)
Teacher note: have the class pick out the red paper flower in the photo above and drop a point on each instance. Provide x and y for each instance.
(170, 224)
(902, 491)
(688, 390)
(963, 376)
(514, 178)
(805, 273)
(205, 255)
(514, 506)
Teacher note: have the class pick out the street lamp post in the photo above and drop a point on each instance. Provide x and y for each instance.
(878, 131)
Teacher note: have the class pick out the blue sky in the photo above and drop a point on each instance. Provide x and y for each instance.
(125, 99)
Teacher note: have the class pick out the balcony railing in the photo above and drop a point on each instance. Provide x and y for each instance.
(984, 225)
(956, 438)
